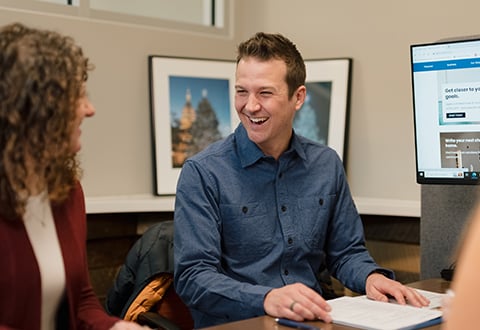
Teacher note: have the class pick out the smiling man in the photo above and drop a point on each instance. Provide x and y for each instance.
(259, 213)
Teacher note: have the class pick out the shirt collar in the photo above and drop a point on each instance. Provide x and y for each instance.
(250, 153)
(296, 145)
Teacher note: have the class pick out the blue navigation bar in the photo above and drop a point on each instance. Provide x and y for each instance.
(447, 65)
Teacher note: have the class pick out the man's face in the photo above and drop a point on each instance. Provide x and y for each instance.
(262, 103)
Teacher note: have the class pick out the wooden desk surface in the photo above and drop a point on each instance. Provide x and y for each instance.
(268, 323)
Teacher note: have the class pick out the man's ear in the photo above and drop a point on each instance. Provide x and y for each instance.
(299, 96)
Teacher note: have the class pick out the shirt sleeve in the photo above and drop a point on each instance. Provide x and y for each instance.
(347, 256)
(199, 277)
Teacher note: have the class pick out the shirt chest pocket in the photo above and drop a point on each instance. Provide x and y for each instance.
(314, 214)
(248, 229)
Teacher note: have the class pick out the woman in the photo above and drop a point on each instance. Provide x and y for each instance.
(44, 279)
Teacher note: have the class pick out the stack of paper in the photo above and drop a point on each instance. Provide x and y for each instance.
(363, 313)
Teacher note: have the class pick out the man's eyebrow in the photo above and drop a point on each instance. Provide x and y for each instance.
(257, 89)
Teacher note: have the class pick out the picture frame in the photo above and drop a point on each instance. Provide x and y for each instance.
(324, 115)
(179, 85)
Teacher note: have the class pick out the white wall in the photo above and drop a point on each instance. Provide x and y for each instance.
(375, 33)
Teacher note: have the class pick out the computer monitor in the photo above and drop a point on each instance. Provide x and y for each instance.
(446, 103)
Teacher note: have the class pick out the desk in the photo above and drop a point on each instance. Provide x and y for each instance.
(268, 323)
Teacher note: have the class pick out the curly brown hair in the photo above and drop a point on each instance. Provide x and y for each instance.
(266, 46)
(42, 76)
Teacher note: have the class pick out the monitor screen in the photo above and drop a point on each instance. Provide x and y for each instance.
(446, 103)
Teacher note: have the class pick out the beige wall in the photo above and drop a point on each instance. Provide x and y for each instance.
(375, 33)
(116, 149)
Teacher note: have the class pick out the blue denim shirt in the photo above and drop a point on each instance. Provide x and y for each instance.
(246, 223)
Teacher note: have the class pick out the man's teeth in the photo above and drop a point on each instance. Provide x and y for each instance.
(258, 120)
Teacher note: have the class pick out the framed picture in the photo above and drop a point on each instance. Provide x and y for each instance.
(191, 107)
(324, 115)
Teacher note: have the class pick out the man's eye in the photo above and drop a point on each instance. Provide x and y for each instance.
(266, 93)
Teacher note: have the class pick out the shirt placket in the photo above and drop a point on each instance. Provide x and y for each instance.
(284, 209)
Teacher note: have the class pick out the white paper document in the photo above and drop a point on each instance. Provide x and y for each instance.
(363, 313)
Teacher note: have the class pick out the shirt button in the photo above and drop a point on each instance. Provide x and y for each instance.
(244, 209)
(284, 208)
(320, 201)
(280, 175)
(285, 271)
(290, 240)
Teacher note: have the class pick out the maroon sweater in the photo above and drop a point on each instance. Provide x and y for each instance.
(20, 290)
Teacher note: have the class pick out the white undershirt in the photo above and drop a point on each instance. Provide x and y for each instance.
(41, 230)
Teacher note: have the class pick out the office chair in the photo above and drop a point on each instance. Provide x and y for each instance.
(143, 288)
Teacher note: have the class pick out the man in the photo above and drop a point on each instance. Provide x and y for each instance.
(257, 214)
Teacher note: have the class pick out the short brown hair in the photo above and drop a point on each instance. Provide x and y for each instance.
(265, 46)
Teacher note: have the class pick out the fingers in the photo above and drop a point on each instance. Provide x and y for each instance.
(381, 288)
(415, 298)
(296, 302)
(405, 295)
(308, 309)
(376, 295)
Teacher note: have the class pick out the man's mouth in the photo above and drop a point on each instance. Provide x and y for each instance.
(258, 121)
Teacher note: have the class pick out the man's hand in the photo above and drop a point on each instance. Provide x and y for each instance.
(296, 302)
(379, 287)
